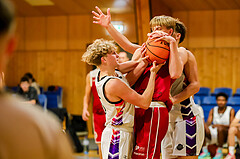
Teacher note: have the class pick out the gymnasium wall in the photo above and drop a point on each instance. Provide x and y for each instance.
(214, 38)
(51, 48)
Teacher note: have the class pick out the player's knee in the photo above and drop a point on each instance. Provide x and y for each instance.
(232, 131)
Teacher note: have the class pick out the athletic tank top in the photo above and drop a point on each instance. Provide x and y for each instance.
(97, 105)
(162, 84)
(118, 114)
(222, 119)
(179, 112)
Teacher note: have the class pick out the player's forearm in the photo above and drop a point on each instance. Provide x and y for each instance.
(190, 90)
(128, 66)
(121, 39)
(148, 93)
(133, 76)
(235, 124)
(86, 102)
(175, 63)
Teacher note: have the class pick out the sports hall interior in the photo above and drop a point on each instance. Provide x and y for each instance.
(52, 39)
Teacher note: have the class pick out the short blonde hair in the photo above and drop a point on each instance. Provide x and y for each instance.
(163, 20)
(98, 49)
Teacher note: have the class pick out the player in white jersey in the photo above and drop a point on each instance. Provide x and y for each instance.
(117, 97)
(185, 133)
(233, 131)
(217, 125)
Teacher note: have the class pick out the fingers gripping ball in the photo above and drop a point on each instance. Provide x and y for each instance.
(157, 50)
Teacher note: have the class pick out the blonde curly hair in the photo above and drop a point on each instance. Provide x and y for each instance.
(98, 49)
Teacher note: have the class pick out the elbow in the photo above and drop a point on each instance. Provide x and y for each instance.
(175, 75)
(145, 105)
(196, 87)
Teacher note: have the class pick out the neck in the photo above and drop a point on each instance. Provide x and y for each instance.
(106, 71)
(222, 108)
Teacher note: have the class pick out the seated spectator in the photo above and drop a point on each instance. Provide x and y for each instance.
(33, 82)
(232, 132)
(216, 127)
(28, 92)
(122, 57)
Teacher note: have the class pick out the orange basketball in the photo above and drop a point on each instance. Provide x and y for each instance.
(157, 51)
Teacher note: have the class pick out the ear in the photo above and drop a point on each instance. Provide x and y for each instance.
(178, 36)
(103, 59)
(170, 32)
(12, 42)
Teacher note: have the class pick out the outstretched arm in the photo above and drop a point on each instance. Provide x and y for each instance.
(190, 69)
(105, 21)
(86, 99)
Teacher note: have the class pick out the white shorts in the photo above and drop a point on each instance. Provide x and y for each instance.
(214, 134)
(183, 138)
(116, 143)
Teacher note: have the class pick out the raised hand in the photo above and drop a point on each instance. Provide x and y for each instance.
(102, 19)
(155, 68)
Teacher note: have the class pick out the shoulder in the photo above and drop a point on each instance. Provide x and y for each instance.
(114, 84)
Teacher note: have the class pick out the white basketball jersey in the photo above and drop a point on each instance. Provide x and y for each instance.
(222, 119)
(120, 114)
(93, 75)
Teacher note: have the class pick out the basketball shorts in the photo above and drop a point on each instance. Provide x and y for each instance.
(98, 126)
(150, 128)
(183, 138)
(214, 135)
(117, 144)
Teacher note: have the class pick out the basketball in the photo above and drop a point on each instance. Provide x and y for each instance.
(157, 51)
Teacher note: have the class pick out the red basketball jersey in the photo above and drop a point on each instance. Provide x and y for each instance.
(162, 84)
(97, 105)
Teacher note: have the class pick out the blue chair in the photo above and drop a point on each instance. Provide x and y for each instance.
(41, 89)
(237, 93)
(233, 101)
(226, 90)
(59, 91)
(203, 92)
(15, 89)
(206, 110)
(43, 100)
(197, 100)
(209, 100)
(52, 100)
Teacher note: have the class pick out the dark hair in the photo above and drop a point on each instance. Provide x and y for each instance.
(181, 28)
(222, 95)
(29, 76)
(7, 16)
(24, 79)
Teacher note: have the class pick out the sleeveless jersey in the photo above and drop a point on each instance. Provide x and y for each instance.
(97, 105)
(178, 112)
(222, 119)
(118, 114)
(162, 84)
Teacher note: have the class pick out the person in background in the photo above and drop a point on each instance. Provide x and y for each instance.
(122, 57)
(27, 91)
(33, 82)
(233, 131)
(217, 125)
(26, 131)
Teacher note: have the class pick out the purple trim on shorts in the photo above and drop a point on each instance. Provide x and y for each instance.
(188, 112)
(191, 141)
(114, 145)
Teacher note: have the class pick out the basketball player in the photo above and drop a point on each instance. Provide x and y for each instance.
(157, 113)
(232, 132)
(190, 69)
(217, 125)
(123, 57)
(117, 98)
(99, 118)
(26, 131)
